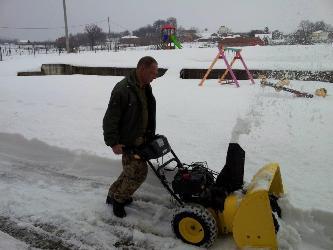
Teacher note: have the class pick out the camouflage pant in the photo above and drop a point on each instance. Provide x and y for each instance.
(133, 175)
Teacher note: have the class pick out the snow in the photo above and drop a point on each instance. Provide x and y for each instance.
(55, 168)
(126, 37)
(8, 242)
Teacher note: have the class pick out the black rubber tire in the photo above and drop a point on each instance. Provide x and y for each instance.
(273, 200)
(201, 215)
(276, 224)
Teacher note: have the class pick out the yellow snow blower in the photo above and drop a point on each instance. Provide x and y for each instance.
(250, 218)
(209, 203)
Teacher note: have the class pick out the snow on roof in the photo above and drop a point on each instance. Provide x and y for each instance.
(205, 35)
(24, 41)
(127, 37)
(261, 36)
(232, 36)
(318, 32)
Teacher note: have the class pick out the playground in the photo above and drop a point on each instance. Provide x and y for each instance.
(168, 37)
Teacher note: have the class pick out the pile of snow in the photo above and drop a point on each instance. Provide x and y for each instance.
(8, 242)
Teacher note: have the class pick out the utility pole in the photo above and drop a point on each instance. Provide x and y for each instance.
(66, 27)
(109, 33)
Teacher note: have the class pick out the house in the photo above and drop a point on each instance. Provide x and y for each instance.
(319, 36)
(24, 44)
(129, 41)
(208, 37)
(187, 35)
(266, 37)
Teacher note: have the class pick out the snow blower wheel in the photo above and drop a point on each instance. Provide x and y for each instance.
(195, 225)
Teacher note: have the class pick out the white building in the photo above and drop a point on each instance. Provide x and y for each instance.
(319, 36)
(267, 38)
(223, 30)
(263, 36)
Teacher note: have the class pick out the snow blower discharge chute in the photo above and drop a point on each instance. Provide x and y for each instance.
(209, 203)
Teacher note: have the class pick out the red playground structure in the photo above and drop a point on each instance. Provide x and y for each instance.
(221, 55)
(168, 37)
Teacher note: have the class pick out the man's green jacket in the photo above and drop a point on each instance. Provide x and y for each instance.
(123, 118)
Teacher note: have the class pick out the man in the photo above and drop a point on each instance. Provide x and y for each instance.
(130, 121)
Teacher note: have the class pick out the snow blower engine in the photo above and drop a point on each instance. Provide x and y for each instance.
(209, 203)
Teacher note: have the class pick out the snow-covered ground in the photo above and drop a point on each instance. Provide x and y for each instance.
(55, 169)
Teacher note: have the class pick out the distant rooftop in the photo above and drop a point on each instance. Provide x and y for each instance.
(127, 37)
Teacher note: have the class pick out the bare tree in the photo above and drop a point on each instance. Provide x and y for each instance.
(147, 31)
(304, 31)
(158, 25)
(303, 34)
(276, 34)
(94, 34)
(172, 21)
(252, 33)
(320, 25)
(223, 31)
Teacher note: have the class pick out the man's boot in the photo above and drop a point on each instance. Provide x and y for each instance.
(109, 200)
(118, 209)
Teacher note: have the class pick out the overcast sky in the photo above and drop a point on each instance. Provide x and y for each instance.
(239, 15)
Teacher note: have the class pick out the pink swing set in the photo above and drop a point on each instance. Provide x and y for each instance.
(222, 55)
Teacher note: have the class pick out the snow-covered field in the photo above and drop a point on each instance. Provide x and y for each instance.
(55, 169)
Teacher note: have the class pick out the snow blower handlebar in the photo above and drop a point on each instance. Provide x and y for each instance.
(157, 148)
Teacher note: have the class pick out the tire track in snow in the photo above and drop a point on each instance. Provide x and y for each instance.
(33, 236)
(122, 228)
(43, 199)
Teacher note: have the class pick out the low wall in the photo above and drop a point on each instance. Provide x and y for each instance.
(322, 76)
(66, 69)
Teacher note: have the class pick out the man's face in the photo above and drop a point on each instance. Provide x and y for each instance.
(149, 74)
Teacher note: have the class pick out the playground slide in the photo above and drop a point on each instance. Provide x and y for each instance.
(175, 41)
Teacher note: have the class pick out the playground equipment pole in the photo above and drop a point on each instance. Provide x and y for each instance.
(209, 70)
(247, 70)
(229, 68)
(226, 72)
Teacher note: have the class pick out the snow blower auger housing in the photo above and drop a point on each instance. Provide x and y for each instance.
(210, 203)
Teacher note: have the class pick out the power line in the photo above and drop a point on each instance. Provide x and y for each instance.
(81, 25)
(62, 27)
(31, 28)
(119, 25)
(50, 28)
